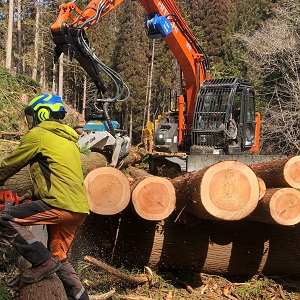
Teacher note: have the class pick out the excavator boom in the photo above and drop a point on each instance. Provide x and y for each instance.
(181, 41)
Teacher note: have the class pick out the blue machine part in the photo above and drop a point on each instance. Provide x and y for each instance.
(99, 126)
(158, 26)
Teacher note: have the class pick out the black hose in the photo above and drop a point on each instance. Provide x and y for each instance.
(108, 119)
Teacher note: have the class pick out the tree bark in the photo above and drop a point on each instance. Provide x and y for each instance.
(8, 62)
(36, 39)
(223, 248)
(153, 197)
(132, 279)
(227, 190)
(279, 205)
(50, 287)
(108, 190)
(283, 172)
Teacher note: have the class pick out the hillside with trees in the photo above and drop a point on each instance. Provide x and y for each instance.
(257, 39)
(242, 39)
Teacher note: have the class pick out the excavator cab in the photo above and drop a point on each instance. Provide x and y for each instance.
(224, 118)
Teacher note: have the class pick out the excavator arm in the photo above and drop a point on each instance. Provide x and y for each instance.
(69, 36)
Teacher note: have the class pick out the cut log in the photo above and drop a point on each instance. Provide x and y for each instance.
(262, 188)
(228, 190)
(50, 287)
(279, 205)
(20, 183)
(153, 197)
(92, 161)
(108, 190)
(283, 172)
(220, 248)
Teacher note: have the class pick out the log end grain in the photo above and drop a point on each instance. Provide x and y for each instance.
(229, 190)
(285, 206)
(262, 188)
(154, 198)
(108, 190)
(291, 172)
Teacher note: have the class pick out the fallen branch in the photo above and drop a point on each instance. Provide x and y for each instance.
(132, 279)
(13, 133)
(10, 142)
(103, 296)
(132, 297)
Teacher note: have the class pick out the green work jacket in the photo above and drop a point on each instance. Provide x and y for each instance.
(55, 166)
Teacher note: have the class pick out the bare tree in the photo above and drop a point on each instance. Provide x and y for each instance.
(19, 30)
(36, 39)
(273, 54)
(8, 63)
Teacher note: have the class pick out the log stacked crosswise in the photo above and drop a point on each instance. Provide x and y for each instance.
(228, 190)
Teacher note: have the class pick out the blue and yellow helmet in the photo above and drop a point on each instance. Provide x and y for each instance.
(44, 107)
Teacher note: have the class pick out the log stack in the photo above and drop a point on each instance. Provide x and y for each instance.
(247, 217)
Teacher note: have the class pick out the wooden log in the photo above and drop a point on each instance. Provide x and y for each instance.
(20, 183)
(262, 188)
(227, 190)
(108, 190)
(279, 205)
(283, 172)
(91, 161)
(235, 248)
(50, 287)
(153, 197)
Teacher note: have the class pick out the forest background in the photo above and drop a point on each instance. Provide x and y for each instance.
(257, 39)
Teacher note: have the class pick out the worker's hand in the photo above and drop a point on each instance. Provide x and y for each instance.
(25, 198)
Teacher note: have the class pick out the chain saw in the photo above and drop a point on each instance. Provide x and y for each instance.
(8, 198)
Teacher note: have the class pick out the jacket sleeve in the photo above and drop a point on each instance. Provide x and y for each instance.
(21, 156)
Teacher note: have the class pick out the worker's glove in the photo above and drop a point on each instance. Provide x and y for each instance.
(26, 197)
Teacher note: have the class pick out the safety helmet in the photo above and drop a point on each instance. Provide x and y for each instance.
(43, 107)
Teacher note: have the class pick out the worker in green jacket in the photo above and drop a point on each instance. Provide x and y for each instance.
(59, 195)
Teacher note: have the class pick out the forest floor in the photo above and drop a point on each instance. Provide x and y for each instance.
(163, 286)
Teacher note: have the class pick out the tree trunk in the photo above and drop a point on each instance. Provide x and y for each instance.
(50, 287)
(227, 190)
(19, 30)
(108, 191)
(227, 248)
(279, 205)
(283, 172)
(8, 62)
(36, 39)
(61, 75)
(153, 197)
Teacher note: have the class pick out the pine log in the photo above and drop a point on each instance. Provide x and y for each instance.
(235, 248)
(284, 172)
(50, 287)
(153, 197)
(262, 188)
(227, 190)
(108, 190)
(279, 205)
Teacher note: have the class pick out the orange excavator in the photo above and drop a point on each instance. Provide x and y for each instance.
(212, 116)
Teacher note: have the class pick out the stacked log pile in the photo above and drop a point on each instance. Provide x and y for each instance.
(228, 218)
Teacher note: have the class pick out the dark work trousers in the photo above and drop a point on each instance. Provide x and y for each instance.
(61, 226)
